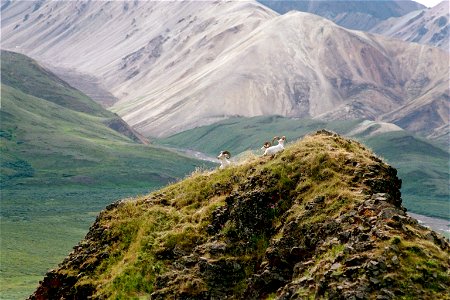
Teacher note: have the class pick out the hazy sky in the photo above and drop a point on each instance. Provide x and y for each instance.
(429, 3)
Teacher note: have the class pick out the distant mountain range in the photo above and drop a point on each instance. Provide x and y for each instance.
(405, 20)
(359, 15)
(426, 26)
(177, 65)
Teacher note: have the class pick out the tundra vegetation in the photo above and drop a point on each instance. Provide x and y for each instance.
(422, 165)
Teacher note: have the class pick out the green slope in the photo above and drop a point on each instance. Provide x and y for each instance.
(422, 165)
(60, 165)
(26, 75)
(43, 142)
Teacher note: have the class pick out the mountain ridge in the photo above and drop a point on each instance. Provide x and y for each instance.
(426, 26)
(24, 74)
(421, 164)
(358, 15)
(322, 219)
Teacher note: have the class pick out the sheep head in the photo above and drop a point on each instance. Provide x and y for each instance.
(224, 154)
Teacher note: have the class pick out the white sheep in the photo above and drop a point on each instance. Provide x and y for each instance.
(268, 144)
(271, 150)
(224, 157)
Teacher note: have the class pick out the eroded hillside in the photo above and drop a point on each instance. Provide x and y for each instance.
(176, 65)
(359, 15)
(322, 219)
(426, 26)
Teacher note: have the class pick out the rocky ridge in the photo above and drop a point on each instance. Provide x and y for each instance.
(322, 219)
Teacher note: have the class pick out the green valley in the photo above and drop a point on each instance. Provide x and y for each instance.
(61, 163)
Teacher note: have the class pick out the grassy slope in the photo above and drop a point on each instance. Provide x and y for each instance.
(45, 143)
(28, 76)
(60, 165)
(214, 234)
(422, 165)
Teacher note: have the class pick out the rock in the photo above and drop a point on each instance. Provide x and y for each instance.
(335, 266)
(395, 260)
(354, 261)
(298, 251)
(319, 199)
(348, 249)
(374, 281)
(352, 272)
(388, 294)
(300, 267)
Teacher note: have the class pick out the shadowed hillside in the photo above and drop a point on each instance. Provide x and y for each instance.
(323, 219)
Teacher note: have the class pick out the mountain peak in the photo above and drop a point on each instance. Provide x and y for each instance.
(321, 219)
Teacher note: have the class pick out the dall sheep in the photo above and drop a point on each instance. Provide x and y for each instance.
(224, 157)
(268, 144)
(271, 150)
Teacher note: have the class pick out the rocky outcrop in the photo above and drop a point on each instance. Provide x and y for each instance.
(323, 219)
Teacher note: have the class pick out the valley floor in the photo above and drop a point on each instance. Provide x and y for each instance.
(439, 225)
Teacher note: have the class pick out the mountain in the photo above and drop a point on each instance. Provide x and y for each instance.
(130, 47)
(359, 15)
(426, 26)
(323, 220)
(422, 165)
(63, 159)
(178, 65)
